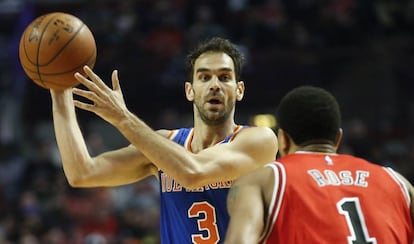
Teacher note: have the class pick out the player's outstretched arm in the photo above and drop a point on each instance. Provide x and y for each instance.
(113, 168)
(251, 148)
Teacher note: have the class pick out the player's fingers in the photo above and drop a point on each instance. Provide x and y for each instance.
(90, 85)
(88, 95)
(95, 78)
(86, 82)
(115, 81)
(84, 106)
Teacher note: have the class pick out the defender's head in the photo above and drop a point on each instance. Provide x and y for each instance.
(308, 115)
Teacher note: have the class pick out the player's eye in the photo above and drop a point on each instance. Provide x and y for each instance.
(224, 77)
(205, 77)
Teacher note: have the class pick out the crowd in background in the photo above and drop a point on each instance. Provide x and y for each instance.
(360, 50)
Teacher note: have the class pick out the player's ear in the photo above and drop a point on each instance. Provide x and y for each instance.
(240, 90)
(284, 142)
(338, 138)
(189, 92)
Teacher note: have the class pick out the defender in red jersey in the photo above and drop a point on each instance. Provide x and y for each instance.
(313, 194)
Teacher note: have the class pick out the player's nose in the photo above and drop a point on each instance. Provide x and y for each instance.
(214, 83)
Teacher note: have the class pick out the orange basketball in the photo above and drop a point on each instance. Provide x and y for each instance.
(55, 46)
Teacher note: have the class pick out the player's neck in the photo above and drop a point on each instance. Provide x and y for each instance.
(321, 148)
(208, 135)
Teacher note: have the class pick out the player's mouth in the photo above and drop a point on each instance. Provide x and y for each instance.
(214, 102)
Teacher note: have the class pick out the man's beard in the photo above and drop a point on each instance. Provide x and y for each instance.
(215, 119)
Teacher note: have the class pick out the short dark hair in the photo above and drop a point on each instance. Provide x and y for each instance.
(216, 44)
(309, 115)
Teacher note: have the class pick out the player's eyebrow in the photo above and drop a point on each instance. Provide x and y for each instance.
(205, 70)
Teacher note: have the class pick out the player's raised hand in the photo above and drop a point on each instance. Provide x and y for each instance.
(107, 103)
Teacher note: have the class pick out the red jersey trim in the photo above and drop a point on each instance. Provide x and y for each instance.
(397, 180)
(277, 198)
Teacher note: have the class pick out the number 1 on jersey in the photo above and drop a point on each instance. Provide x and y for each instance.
(351, 209)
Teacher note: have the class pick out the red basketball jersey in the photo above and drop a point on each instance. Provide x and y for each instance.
(330, 198)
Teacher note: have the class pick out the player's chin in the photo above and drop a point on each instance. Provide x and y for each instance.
(215, 112)
(215, 118)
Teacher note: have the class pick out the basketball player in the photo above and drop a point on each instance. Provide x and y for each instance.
(195, 166)
(312, 194)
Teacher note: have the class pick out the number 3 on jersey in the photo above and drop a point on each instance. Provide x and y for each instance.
(206, 221)
(351, 209)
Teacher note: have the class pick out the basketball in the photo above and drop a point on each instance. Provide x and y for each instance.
(53, 47)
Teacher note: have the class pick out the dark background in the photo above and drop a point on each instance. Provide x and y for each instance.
(361, 51)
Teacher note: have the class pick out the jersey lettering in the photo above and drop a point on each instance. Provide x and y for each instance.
(168, 184)
(344, 177)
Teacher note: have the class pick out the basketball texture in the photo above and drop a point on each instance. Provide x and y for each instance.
(55, 46)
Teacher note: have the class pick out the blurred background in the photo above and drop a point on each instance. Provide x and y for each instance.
(362, 51)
